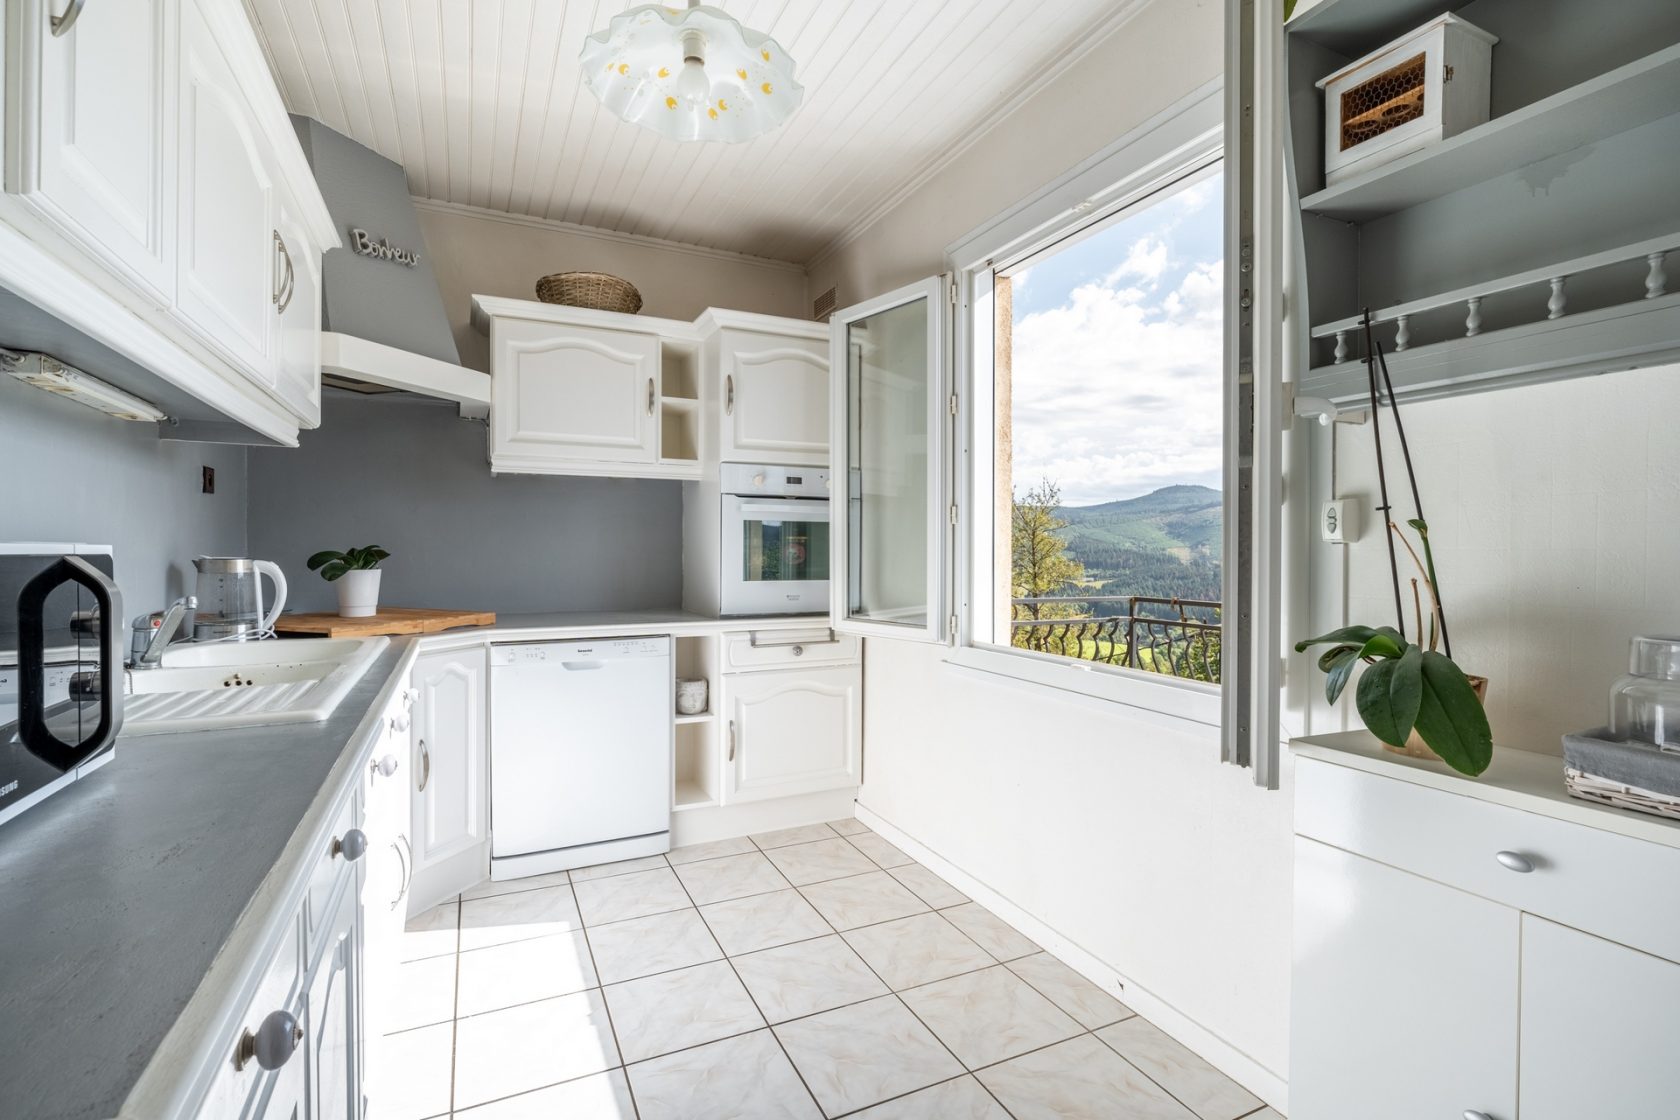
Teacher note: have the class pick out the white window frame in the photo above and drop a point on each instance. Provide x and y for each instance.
(1183, 141)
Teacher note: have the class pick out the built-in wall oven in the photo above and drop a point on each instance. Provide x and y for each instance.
(775, 539)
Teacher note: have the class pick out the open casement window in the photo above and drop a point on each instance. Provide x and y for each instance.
(890, 539)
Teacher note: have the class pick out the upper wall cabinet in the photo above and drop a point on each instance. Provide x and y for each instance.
(97, 162)
(576, 391)
(157, 201)
(774, 388)
(1534, 245)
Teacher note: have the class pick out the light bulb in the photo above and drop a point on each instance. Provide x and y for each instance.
(692, 84)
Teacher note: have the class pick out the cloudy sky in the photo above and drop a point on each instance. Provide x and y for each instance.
(1118, 352)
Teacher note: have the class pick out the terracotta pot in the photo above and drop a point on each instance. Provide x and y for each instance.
(1415, 746)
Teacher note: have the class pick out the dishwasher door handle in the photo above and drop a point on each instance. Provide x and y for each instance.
(581, 666)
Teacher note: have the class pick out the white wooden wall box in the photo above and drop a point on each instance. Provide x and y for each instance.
(1418, 90)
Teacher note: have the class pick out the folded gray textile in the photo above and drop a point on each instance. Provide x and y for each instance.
(1627, 761)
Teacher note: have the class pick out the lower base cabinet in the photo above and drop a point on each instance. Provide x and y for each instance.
(791, 731)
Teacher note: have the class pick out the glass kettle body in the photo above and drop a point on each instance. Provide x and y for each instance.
(230, 599)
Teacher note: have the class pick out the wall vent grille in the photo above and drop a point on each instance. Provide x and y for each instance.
(823, 306)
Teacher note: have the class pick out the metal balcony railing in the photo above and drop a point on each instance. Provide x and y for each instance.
(1185, 645)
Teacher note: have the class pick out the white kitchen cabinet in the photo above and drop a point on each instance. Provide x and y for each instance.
(449, 771)
(773, 392)
(1479, 948)
(1599, 1025)
(228, 277)
(790, 732)
(99, 118)
(571, 398)
(1404, 997)
(333, 1030)
(390, 864)
(297, 308)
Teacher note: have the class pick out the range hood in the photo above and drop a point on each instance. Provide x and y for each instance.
(384, 328)
(364, 366)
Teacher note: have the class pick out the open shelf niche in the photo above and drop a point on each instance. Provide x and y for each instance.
(697, 767)
(679, 403)
(1534, 246)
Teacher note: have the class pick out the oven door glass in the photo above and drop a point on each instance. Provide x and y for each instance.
(776, 555)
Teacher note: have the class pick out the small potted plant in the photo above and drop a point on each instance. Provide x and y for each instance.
(357, 575)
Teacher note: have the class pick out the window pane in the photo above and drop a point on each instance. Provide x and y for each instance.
(887, 379)
(1108, 451)
(777, 551)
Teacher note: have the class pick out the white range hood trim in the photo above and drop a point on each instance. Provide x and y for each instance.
(358, 358)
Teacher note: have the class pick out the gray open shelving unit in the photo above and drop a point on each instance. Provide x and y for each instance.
(1553, 223)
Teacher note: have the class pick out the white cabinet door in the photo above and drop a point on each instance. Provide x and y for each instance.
(449, 768)
(1600, 1023)
(297, 355)
(390, 865)
(1404, 1001)
(775, 399)
(334, 1024)
(563, 395)
(106, 144)
(227, 278)
(791, 733)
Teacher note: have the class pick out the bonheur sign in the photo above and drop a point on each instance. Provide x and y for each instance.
(362, 242)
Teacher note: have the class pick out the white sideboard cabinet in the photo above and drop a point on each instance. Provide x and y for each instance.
(1485, 949)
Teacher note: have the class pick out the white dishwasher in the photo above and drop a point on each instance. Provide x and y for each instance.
(580, 753)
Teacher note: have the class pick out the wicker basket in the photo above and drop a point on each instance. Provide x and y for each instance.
(590, 289)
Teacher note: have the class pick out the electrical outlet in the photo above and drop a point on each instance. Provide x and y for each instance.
(209, 486)
(1338, 522)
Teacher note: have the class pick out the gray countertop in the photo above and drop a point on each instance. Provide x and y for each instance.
(117, 894)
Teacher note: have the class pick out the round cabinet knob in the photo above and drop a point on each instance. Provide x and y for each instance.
(386, 766)
(1515, 861)
(275, 1041)
(401, 722)
(799, 651)
(352, 845)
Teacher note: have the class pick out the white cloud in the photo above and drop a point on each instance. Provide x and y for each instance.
(1118, 392)
(1146, 260)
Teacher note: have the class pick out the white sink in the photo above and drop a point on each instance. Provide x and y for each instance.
(221, 685)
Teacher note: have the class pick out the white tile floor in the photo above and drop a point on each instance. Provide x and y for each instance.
(808, 973)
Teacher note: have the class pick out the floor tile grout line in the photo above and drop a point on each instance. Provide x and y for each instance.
(455, 1003)
(1144, 1073)
(767, 1026)
(618, 1047)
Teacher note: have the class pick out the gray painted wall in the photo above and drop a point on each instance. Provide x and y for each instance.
(365, 296)
(410, 475)
(74, 474)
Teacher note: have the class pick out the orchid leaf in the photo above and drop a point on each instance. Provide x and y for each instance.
(1451, 719)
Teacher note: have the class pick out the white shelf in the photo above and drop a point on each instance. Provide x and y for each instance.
(690, 795)
(1614, 102)
(679, 404)
(697, 717)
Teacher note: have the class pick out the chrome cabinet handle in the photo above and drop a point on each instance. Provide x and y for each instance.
(352, 845)
(286, 285)
(408, 867)
(731, 741)
(729, 395)
(1472, 1114)
(61, 25)
(402, 886)
(798, 645)
(1515, 861)
(272, 1046)
(425, 767)
(650, 396)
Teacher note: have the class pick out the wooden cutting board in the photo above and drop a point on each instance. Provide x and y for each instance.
(390, 620)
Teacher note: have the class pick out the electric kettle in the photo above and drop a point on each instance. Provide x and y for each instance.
(230, 602)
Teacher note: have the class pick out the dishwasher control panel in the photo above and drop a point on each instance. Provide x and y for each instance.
(537, 653)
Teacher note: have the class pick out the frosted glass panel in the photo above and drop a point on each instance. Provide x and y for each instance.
(887, 491)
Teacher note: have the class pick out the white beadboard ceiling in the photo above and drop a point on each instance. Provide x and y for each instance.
(483, 104)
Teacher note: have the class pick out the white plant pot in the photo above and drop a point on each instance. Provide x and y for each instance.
(358, 593)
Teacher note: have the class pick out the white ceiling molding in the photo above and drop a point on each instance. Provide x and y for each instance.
(482, 102)
(600, 234)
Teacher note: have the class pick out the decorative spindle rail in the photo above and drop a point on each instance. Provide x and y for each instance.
(1186, 646)
(1551, 298)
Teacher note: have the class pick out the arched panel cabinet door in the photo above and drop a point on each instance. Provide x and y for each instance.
(449, 773)
(562, 395)
(775, 398)
(788, 733)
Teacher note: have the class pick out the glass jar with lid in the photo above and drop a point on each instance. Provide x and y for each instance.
(1645, 704)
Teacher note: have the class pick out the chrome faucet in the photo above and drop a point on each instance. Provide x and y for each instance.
(163, 633)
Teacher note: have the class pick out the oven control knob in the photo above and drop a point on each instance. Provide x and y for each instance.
(758, 480)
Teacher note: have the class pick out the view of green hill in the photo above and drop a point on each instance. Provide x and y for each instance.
(1166, 543)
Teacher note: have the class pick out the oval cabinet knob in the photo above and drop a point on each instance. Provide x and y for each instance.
(276, 1039)
(1514, 861)
(386, 766)
(352, 845)
(1472, 1114)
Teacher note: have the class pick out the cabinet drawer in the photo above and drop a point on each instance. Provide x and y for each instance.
(788, 649)
(278, 990)
(330, 868)
(1611, 885)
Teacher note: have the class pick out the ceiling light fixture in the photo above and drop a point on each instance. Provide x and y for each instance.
(691, 74)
